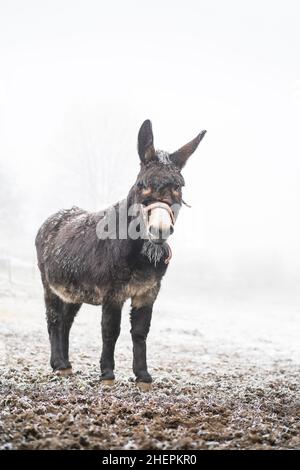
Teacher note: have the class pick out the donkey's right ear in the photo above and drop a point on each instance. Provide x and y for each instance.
(145, 142)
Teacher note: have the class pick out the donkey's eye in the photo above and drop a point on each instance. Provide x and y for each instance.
(142, 186)
(176, 190)
(146, 191)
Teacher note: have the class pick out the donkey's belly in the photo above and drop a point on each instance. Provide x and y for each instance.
(80, 295)
(141, 291)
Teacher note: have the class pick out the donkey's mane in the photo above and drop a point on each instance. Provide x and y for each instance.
(163, 157)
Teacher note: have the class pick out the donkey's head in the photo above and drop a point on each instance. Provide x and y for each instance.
(158, 187)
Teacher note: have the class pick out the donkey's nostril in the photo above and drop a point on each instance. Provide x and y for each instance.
(154, 231)
(159, 233)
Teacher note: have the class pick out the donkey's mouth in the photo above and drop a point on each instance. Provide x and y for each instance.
(159, 221)
(159, 236)
(157, 241)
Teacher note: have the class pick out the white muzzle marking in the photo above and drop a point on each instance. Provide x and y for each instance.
(159, 220)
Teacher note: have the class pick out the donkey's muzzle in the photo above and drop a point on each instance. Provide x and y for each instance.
(159, 219)
(158, 234)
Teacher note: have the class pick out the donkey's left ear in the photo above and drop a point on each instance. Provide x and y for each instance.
(180, 157)
(145, 142)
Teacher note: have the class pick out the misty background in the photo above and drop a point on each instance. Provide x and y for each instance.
(78, 78)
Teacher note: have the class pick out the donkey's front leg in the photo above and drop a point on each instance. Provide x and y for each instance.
(111, 321)
(140, 325)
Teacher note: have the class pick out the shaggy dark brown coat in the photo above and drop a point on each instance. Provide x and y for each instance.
(79, 267)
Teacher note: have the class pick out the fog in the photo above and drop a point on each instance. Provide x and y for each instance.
(77, 79)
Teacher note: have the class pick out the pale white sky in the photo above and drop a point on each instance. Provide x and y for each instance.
(230, 67)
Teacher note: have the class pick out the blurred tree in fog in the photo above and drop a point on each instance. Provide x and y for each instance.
(92, 162)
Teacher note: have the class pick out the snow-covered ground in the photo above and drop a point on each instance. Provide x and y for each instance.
(225, 364)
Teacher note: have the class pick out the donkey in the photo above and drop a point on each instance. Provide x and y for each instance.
(80, 263)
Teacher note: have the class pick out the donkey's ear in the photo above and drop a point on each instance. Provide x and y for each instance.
(145, 142)
(180, 157)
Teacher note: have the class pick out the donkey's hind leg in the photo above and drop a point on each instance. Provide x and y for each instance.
(60, 316)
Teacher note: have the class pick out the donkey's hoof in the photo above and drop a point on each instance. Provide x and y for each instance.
(144, 386)
(64, 372)
(108, 382)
